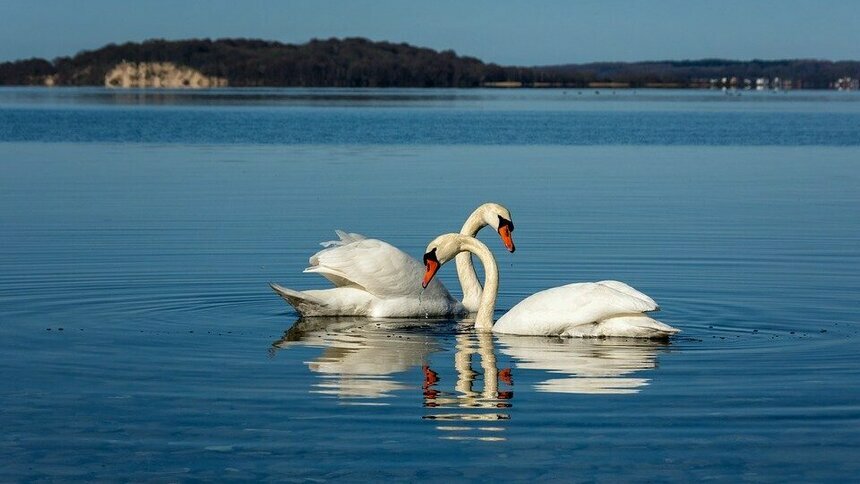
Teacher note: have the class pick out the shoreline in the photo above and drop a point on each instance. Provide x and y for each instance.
(502, 86)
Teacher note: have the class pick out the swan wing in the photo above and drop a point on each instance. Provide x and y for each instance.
(344, 238)
(626, 289)
(371, 265)
(554, 311)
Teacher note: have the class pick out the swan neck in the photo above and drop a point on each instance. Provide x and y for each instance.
(466, 268)
(484, 318)
(474, 223)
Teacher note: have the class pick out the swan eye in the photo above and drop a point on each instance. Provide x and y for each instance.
(430, 256)
(503, 222)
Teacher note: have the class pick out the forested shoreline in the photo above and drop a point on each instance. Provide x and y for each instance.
(358, 62)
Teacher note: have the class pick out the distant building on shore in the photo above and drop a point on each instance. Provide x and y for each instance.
(847, 84)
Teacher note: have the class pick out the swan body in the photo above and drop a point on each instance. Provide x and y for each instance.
(372, 278)
(605, 308)
(590, 309)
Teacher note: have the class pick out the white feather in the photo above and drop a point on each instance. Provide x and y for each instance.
(371, 278)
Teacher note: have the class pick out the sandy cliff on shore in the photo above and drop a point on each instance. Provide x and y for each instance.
(159, 74)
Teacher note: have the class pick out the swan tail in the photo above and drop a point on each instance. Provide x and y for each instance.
(303, 303)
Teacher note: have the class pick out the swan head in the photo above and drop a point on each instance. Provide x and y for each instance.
(499, 217)
(441, 250)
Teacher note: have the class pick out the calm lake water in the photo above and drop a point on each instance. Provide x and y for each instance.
(139, 339)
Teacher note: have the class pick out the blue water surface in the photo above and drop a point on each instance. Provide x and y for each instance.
(139, 340)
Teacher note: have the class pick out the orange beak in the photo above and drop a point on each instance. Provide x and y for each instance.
(505, 234)
(432, 266)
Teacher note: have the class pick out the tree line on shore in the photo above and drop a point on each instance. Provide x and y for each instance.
(359, 62)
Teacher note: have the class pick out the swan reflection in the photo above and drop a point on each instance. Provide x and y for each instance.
(587, 366)
(360, 356)
(467, 394)
(466, 403)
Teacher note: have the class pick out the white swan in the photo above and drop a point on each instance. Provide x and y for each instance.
(605, 308)
(376, 279)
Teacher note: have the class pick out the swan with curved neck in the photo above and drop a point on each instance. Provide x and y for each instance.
(589, 309)
(373, 278)
(488, 214)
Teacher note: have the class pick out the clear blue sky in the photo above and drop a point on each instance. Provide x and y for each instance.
(508, 32)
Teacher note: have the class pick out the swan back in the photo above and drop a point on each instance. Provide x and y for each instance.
(374, 266)
(558, 310)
